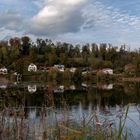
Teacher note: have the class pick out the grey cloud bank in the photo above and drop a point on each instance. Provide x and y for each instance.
(73, 20)
(11, 20)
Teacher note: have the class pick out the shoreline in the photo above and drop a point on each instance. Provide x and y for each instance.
(39, 75)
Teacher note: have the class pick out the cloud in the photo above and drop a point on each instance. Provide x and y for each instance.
(73, 20)
(58, 17)
(11, 20)
(96, 14)
(104, 23)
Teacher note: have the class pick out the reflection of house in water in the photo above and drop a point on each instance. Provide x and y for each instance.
(84, 85)
(130, 89)
(3, 71)
(32, 88)
(72, 87)
(107, 71)
(4, 83)
(2, 86)
(73, 69)
(59, 89)
(105, 86)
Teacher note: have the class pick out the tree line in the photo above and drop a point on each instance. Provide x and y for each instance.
(17, 53)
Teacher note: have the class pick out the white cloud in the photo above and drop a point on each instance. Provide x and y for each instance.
(58, 16)
(48, 11)
(100, 15)
(106, 24)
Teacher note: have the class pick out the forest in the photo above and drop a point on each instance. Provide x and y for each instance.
(17, 53)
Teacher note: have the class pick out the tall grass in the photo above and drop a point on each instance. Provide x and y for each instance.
(16, 125)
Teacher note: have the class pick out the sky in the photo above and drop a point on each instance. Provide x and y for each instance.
(74, 21)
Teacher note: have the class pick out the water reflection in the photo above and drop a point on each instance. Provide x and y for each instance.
(41, 118)
(59, 89)
(72, 87)
(32, 88)
(2, 86)
(107, 101)
(105, 86)
(4, 83)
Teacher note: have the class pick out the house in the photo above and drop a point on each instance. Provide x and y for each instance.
(129, 68)
(3, 71)
(107, 71)
(32, 67)
(60, 68)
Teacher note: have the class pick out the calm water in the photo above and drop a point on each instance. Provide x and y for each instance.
(109, 101)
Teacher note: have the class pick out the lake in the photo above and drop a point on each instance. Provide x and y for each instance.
(46, 104)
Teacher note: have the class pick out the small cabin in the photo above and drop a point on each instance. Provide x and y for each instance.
(3, 71)
(60, 68)
(129, 68)
(32, 67)
(107, 71)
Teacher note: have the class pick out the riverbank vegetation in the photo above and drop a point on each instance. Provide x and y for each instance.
(15, 125)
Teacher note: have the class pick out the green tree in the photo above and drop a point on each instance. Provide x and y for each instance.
(4, 55)
(32, 55)
(26, 42)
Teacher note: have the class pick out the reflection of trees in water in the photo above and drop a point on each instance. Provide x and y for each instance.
(16, 96)
(20, 96)
(130, 89)
(48, 96)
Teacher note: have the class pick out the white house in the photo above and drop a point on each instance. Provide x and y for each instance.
(32, 67)
(107, 71)
(3, 70)
(60, 68)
